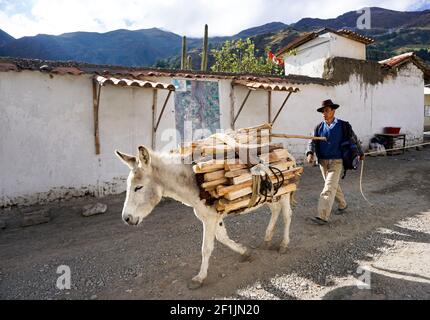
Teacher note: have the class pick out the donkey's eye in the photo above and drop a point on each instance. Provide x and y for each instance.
(137, 189)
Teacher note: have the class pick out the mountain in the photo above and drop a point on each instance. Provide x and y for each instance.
(380, 19)
(395, 32)
(5, 38)
(266, 28)
(121, 47)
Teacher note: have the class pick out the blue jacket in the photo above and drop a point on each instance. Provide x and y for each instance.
(314, 146)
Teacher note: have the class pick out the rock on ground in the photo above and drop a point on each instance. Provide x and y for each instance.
(92, 210)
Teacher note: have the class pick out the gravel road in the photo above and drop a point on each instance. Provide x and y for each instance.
(386, 245)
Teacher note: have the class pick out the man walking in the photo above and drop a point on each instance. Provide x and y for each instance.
(329, 154)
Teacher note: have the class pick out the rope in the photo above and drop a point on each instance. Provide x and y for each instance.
(375, 152)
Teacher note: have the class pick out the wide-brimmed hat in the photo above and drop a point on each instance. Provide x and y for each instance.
(328, 103)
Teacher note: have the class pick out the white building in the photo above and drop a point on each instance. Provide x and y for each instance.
(49, 136)
(308, 54)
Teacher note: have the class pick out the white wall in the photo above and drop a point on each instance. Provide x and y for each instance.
(46, 126)
(47, 141)
(311, 56)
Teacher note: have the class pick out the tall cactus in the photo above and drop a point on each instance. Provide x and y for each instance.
(205, 49)
(184, 53)
(190, 63)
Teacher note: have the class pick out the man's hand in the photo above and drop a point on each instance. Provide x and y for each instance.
(362, 157)
(310, 158)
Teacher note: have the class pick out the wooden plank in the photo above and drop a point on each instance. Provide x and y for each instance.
(236, 173)
(209, 166)
(243, 203)
(208, 185)
(282, 166)
(290, 136)
(265, 126)
(248, 190)
(217, 149)
(275, 156)
(234, 165)
(216, 175)
(238, 194)
(288, 175)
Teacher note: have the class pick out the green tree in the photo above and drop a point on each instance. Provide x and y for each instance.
(241, 56)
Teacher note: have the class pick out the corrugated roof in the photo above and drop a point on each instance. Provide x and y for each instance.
(266, 86)
(76, 68)
(312, 35)
(123, 82)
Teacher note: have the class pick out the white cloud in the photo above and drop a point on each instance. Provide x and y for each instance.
(225, 17)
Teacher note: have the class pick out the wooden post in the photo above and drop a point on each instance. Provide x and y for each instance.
(162, 111)
(290, 136)
(282, 107)
(96, 104)
(269, 110)
(232, 106)
(241, 107)
(154, 117)
(269, 106)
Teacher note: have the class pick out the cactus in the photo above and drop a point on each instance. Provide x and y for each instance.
(184, 53)
(190, 63)
(205, 50)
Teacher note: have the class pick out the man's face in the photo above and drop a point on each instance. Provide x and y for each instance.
(328, 113)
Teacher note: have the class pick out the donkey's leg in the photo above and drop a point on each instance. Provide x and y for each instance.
(287, 214)
(209, 230)
(222, 236)
(276, 210)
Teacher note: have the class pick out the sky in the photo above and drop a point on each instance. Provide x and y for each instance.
(184, 17)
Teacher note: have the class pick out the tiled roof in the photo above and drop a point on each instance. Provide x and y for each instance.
(132, 73)
(400, 60)
(122, 82)
(266, 86)
(312, 35)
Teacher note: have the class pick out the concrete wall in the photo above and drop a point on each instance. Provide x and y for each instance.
(310, 57)
(46, 128)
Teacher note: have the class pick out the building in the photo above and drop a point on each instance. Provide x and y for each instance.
(427, 108)
(61, 122)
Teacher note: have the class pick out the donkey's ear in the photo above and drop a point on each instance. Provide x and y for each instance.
(144, 157)
(130, 161)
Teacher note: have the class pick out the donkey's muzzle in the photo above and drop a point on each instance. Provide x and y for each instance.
(130, 221)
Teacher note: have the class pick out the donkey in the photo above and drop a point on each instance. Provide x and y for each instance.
(155, 175)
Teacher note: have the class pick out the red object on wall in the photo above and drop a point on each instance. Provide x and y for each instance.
(392, 130)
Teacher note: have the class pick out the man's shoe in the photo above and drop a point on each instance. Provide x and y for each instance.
(319, 221)
(341, 211)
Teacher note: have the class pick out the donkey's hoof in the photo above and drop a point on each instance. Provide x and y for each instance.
(194, 285)
(283, 250)
(247, 256)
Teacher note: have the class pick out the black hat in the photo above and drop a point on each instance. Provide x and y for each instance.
(328, 103)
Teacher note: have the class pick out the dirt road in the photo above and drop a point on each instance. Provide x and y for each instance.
(109, 260)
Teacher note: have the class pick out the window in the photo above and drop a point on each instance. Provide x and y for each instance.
(426, 111)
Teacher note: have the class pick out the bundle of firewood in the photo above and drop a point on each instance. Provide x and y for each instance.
(224, 162)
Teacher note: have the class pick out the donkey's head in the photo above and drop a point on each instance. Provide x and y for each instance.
(143, 192)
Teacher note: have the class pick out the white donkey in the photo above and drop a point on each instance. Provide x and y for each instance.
(154, 175)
